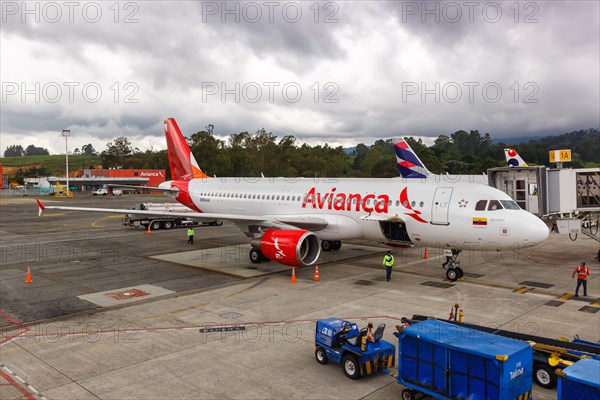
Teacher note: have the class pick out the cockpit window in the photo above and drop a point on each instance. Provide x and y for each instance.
(510, 205)
(480, 206)
(494, 205)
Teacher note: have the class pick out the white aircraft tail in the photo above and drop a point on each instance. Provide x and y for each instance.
(513, 159)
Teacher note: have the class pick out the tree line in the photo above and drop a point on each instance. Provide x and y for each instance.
(253, 154)
(31, 150)
(262, 152)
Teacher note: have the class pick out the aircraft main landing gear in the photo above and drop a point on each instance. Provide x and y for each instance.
(454, 271)
(331, 245)
(256, 256)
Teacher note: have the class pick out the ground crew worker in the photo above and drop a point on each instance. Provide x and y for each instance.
(582, 273)
(190, 234)
(388, 262)
(400, 328)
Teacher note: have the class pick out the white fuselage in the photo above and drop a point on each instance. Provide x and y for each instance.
(436, 214)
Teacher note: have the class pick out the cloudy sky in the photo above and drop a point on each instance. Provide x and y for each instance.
(339, 72)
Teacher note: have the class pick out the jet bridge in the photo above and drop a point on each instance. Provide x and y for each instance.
(569, 198)
(527, 186)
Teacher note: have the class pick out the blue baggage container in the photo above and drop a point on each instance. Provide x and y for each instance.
(580, 381)
(448, 361)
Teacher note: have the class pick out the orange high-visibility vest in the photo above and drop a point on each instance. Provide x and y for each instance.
(582, 272)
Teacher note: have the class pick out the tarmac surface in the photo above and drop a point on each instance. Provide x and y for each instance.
(116, 313)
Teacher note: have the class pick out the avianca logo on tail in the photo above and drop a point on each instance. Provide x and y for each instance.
(346, 202)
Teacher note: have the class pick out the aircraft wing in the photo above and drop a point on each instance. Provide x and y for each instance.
(153, 188)
(279, 221)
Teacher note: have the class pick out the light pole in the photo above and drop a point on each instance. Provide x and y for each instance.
(66, 133)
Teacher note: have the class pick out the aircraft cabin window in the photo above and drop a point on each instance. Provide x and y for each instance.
(389, 203)
(405, 203)
(397, 203)
(421, 204)
(277, 197)
(263, 196)
(494, 205)
(412, 203)
(288, 198)
(480, 206)
(510, 205)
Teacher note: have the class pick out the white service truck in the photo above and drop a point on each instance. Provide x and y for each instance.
(104, 192)
(162, 221)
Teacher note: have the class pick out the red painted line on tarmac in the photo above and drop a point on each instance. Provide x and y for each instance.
(11, 319)
(14, 322)
(28, 395)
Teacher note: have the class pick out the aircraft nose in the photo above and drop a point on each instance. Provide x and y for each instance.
(536, 230)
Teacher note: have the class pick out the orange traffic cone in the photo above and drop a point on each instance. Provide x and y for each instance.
(451, 316)
(425, 255)
(149, 229)
(293, 275)
(370, 336)
(316, 278)
(28, 277)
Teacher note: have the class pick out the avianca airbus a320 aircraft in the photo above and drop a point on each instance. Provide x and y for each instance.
(291, 220)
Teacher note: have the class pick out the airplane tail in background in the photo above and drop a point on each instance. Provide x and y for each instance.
(181, 160)
(513, 159)
(408, 163)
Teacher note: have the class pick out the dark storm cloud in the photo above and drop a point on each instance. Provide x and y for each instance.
(368, 49)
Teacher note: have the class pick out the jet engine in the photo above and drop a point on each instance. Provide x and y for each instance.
(289, 247)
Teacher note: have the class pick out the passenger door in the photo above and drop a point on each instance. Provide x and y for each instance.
(441, 206)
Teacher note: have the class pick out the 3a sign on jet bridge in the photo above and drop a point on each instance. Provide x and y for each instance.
(560, 155)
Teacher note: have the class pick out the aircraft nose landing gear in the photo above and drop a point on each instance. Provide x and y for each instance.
(454, 271)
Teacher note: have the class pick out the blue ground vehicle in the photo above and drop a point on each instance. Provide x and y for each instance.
(448, 361)
(343, 342)
(580, 381)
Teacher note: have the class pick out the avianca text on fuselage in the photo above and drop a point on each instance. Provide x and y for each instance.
(345, 202)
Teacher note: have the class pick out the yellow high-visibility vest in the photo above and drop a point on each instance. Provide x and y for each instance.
(388, 261)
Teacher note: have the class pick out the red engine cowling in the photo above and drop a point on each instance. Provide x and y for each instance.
(290, 247)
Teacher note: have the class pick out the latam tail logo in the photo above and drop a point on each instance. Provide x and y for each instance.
(513, 159)
(408, 163)
(406, 204)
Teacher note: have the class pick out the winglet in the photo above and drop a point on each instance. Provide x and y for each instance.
(408, 163)
(40, 207)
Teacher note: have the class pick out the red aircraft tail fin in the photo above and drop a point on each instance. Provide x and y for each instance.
(181, 160)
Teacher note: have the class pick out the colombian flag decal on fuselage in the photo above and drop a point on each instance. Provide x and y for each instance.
(479, 221)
